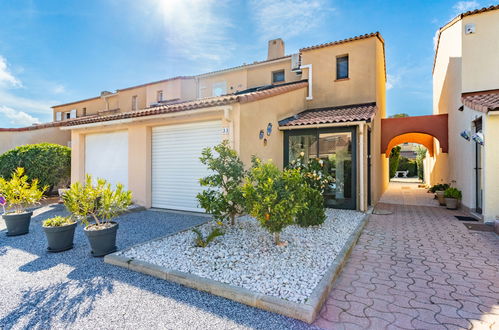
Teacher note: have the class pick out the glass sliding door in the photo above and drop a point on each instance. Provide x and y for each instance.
(306, 143)
(337, 148)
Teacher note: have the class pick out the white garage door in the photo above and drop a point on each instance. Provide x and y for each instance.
(106, 156)
(176, 168)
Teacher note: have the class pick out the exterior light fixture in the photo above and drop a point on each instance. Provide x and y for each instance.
(478, 138)
(465, 134)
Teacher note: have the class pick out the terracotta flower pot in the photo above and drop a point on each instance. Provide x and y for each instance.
(17, 223)
(102, 241)
(451, 203)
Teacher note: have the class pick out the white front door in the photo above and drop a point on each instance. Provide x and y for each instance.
(176, 168)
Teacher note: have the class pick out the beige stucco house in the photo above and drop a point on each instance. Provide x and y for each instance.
(326, 100)
(466, 87)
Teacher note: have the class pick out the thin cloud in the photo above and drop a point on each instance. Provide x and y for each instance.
(463, 6)
(197, 29)
(391, 81)
(287, 18)
(7, 79)
(59, 89)
(18, 118)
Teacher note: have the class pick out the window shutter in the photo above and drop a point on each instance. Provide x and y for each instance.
(72, 114)
(58, 116)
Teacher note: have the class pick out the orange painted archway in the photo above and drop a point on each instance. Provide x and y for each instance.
(419, 129)
(421, 138)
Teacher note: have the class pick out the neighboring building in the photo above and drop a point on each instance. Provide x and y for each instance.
(129, 99)
(326, 101)
(466, 87)
(408, 150)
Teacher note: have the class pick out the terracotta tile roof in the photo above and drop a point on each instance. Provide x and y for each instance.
(482, 101)
(346, 113)
(196, 104)
(332, 43)
(36, 126)
(457, 19)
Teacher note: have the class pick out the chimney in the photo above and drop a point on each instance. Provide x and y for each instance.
(276, 49)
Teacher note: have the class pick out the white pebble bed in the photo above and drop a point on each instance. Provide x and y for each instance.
(247, 257)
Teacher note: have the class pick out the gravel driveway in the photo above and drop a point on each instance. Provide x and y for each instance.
(74, 290)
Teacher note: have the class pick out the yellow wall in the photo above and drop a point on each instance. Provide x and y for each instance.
(246, 77)
(262, 75)
(491, 168)
(360, 87)
(481, 53)
(467, 63)
(255, 116)
(235, 81)
(93, 106)
(12, 139)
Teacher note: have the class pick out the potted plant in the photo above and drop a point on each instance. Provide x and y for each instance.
(96, 205)
(452, 197)
(18, 194)
(60, 232)
(439, 190)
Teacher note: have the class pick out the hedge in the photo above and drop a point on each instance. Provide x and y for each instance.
(49, 163)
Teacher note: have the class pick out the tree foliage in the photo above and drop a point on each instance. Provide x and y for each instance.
(272, 196)
(19, 193)
(223, 197)
(47, 162)
(394, 160)
(96, 200)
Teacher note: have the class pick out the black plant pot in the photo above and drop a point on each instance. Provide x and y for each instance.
(60, 238)
(102, 241)
(17, 223)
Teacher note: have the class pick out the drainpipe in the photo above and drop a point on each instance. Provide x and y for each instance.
(309, 67)
(361, 163)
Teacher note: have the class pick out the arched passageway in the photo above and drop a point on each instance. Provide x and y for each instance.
(419, 129)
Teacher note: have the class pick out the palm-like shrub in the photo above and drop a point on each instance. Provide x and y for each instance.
(223, 197)
(97, 201)
(19, 193)
(272, 196)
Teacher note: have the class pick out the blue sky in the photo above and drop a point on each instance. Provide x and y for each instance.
(52, 51)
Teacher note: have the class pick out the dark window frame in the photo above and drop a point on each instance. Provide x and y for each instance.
(352, 205)
(339, 60)
(277, 72)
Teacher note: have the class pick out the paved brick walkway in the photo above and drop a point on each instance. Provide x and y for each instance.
(417, 268)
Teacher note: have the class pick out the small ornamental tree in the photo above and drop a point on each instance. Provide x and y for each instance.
(97, 201)
(272, 196)
(18, 193)
(223, 197)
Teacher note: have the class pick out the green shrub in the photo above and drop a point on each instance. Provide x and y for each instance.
(420, 156)
(97, 201)
(272, 196)
(200, 241)
(58, 221)
(49, 163)
(453, 193)
(439, 187)
(223, 197)
(394, 161)
(19, 193)
(313, 214)
(406, 164)
(313, 171)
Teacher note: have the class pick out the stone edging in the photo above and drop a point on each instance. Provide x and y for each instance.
(306, 312)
